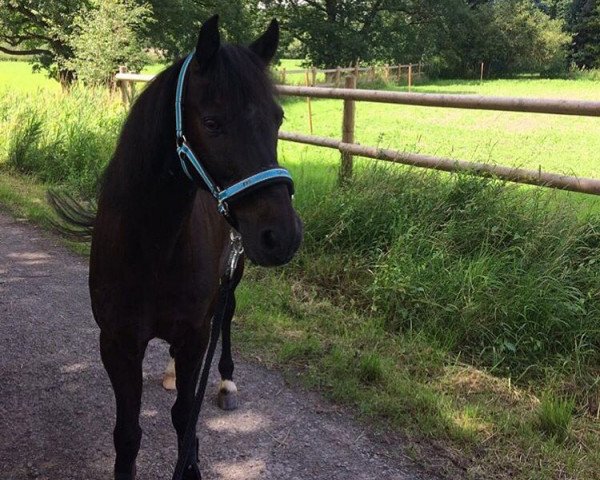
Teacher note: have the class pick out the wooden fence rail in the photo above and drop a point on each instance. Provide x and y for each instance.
(348, 149)
(517, 175)
(476, 102)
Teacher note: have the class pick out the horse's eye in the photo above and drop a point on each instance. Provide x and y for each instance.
(211, 125)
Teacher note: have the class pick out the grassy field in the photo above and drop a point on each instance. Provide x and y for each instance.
(551, 142)
(443, 307)
(19, 77)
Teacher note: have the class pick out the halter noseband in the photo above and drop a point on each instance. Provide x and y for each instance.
(189, 161)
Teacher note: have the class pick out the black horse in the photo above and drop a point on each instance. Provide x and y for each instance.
(159, 245)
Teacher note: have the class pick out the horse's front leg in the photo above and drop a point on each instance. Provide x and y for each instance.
(227, 398)
(188, 356)
(122, 359)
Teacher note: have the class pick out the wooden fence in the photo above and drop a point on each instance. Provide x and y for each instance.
(349, 149)
(334, 76)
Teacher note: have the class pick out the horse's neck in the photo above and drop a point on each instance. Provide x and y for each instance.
(169, 208)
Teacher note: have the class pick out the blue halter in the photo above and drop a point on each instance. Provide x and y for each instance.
(189, 160)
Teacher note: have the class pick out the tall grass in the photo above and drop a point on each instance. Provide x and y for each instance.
(489, 271)
(60, 138)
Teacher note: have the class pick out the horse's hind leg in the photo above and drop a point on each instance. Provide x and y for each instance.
(227, 398)
(169, 382)
(123, 362)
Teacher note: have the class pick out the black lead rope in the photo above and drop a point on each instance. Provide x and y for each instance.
(226, 287)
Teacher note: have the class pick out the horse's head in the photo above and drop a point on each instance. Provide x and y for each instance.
(232, 119)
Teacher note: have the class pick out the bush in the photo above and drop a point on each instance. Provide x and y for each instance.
(510, 37)
(108, 34)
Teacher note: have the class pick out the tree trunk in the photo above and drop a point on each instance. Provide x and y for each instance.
(66, 77)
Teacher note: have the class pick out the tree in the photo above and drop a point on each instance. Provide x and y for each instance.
(49, 30)
(585, 49)
(526, 39)
(41, 29)
(335, 32)
(509, 36)
(177, 22)
(107, 34)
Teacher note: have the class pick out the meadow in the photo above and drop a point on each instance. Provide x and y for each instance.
(442, 307)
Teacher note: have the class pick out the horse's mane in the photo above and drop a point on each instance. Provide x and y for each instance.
(146, 137)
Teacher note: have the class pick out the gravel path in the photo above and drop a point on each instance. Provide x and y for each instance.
(57, 409)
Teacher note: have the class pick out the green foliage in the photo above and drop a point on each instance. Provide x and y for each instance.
(337, 32)
(554, 416)
(370, 369)
(175, 31)
(510, 37)
(451, 36)
(107, 34)
(40, 29)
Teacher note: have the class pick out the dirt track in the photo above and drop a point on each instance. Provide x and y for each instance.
(56, 404)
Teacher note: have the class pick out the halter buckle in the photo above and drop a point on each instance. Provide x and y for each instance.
(223, 208)
(237, 249)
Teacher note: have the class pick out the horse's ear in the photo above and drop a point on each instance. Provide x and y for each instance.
(266, 45)
(209, 40)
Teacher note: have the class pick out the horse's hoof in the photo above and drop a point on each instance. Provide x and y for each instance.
(169, 376)
(126, 476)
(192, 473)
(227, 398)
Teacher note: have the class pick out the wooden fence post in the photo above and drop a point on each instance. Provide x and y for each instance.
(314, 76)
(387, 73)
(123, 85)
(481, 76)
(308, 101)
(348, 132)
(410, 77)
(338, 77)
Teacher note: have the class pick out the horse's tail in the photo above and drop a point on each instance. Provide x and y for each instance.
(76, 218)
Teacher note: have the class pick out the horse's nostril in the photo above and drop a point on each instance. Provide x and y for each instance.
(269, 240)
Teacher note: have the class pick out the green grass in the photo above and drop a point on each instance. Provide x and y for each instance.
(440, 306)
(555, 416)
(19, 77)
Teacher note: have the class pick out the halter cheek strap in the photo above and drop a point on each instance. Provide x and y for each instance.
(192, 167)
